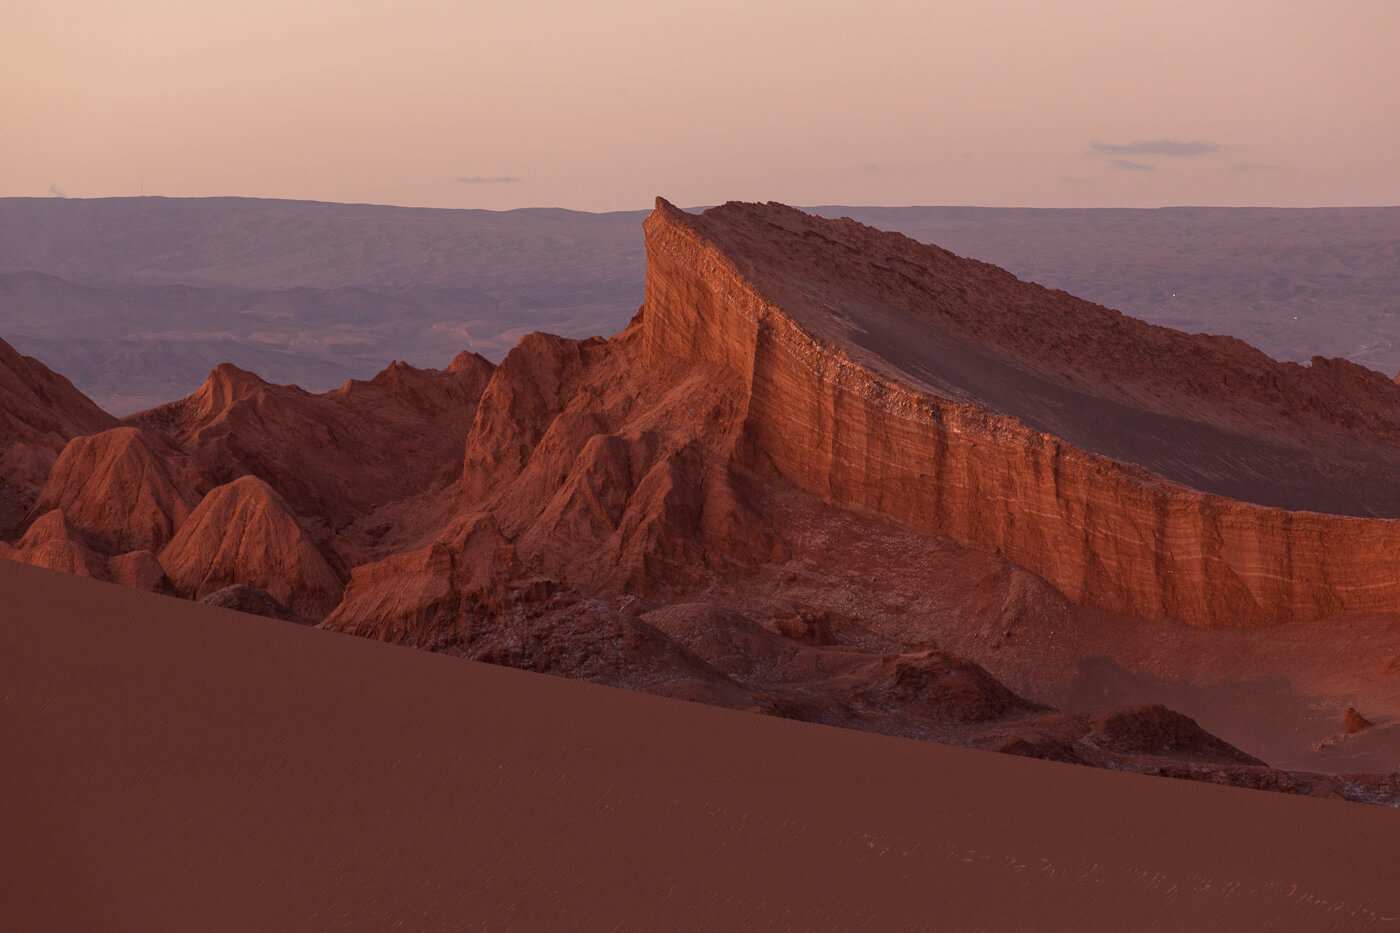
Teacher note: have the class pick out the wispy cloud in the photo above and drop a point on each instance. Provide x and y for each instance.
(55, 191)
(1162, 147)
(482, 180)
(870, 168)
(1127, 166)
(1251, 168)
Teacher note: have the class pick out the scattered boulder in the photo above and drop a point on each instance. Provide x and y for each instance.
(243, 598)
(1355, 722)
(139, 570)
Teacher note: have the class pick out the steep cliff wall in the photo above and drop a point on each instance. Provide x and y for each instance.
(1107, 533)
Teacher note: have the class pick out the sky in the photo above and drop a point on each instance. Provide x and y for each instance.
(604, 105)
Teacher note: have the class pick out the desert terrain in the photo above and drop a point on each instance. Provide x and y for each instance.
(183, 765)
(827, 474)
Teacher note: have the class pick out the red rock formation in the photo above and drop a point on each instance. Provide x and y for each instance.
(139, 570)
(758, 291)
(39, 412)
(245, 533)
(54, 543)
(249, 599)
(744, 497)
(124, 487)
(337, 456)
(1355, 722)
(468, 594)
(424, 597)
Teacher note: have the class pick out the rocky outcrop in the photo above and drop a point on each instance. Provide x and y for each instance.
(139, 570)
(249, 599)
(339, 455)
(532, 386)
(125, 488)
(468, 594)
(244, 533)
(429, 597)
(741, 288)
(39, 412)
(53, 543)
(1158, 732)
(1354, 722)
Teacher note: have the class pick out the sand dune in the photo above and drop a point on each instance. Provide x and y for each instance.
(172, 766)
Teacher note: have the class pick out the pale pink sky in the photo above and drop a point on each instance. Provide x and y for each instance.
(602, 105)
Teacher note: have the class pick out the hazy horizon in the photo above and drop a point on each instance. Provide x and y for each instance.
(699, 207)
(548, 104)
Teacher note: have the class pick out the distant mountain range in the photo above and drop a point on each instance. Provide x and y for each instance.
(137, 299)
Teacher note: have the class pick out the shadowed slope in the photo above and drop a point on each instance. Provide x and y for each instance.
(39, 412)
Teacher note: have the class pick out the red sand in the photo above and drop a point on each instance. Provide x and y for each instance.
(172, 766)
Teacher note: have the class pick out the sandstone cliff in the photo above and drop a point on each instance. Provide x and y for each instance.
(748, 288)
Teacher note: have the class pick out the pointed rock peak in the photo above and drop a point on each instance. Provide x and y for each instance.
(235, 375)
(53, 525)
(120, 486)
(247, 488)
(37, 404)
(232, 382)
(667, 214)
(1355, 722)
(225, 385)
(469, 362)
(244, 533)
(394, 373)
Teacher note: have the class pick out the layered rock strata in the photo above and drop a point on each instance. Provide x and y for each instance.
(1109, 534)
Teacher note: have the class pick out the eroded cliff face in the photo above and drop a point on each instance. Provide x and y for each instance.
(1109, 534)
